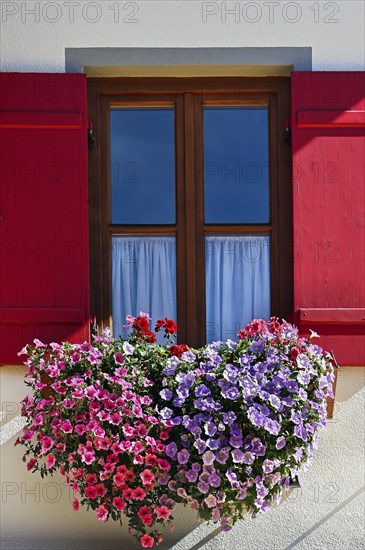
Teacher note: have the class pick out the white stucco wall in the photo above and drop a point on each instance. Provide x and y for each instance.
(35, 33)
(327, 513)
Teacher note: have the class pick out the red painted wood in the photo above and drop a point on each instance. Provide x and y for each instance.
(339, 316)
(37, 315)
(328, 211)
(45, 121)
(331, 119)
(44, 252)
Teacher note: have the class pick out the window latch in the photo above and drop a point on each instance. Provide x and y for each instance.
(90, 136)
(287, 132)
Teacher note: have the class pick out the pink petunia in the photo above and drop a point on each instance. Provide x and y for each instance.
(80, 429)
(38, 343)
(91, 479)
(88, 457)
(120, 372)
(115, 418)
(211, 501)
(66, 427)
(139, 493)
(119, 479)
(98, 431)
(118, 503)
(118, 357)
(128, 493)
(28, 435)
(162, 512)
(194, 504)
(147, 477)
(76, 504)
(128, 430)
(147, 520)
(109, 468)
(151, 460)
(147, 541)
(91, 491)
(50, 460)
(47, 444)
(101, 489)
(144, 511)
(31, 464)
(101, 513)
(142, 431)
(164, 464)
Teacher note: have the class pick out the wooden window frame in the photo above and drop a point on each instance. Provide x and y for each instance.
(188, 96)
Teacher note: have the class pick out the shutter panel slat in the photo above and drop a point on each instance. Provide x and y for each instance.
(44, 251)
(328, 144)
(45, 121)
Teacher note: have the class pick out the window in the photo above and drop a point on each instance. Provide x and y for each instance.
(190, 202)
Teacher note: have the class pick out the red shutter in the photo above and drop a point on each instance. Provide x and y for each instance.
(328, 121)
(44, 253)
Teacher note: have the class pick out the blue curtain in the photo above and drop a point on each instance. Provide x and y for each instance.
(237, 283)
(143, 278)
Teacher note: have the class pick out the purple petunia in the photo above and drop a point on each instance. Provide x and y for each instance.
(166, 413)
(301, 432)
(128, 348)
(171, 450)
(200, 445)
(213, 444)
(268, 466)
(202, 391)
(214, 480)
(191, 475)
(229, 417)
(203, 487)
(222, 456)
(237, 456)
(230, 393)
(272, 426)
(183, 456)
(210, 429)
(292, 386)
(235, 441)
(208, 458)
(231, 476)
(166, 394)
(188, 356)
(280, 443)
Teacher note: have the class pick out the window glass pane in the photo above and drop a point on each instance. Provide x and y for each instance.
(142, 165)
(143, 278)
(236, 165)
(237, 283)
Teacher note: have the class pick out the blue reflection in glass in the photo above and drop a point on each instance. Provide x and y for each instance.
(236, 165)
(142, 165)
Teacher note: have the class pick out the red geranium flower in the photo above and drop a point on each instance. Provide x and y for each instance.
(178, 350)
(168, 324)
(141, 324)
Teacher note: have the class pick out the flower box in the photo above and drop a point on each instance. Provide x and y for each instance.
(136, 427)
